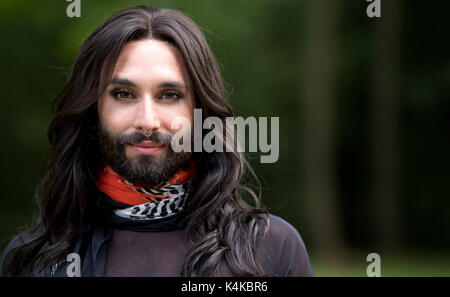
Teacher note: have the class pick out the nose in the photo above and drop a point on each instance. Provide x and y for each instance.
(147, 117)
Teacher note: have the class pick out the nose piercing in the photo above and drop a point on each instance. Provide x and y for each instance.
(148, 133)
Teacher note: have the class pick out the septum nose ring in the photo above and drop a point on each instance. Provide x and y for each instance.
(148, 133)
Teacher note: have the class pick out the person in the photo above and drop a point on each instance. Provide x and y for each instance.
(117, 200)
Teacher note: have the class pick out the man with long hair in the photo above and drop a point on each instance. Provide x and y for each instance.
(117, 198)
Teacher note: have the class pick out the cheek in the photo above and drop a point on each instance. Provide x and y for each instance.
(186, 111)
(113, 118)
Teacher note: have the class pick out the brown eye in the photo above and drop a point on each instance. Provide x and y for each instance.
(172, 95)
(122, 94)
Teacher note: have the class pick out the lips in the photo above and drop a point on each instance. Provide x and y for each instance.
(147, 147)
(147, 144)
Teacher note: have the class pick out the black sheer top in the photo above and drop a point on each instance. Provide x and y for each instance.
(116, 248)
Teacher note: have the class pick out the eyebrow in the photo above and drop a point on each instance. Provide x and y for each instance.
(122, 81)
(166, 84)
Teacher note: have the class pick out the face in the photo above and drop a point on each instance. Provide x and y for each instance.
(149, 87)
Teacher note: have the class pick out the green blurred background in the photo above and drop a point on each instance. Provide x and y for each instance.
(363, 104)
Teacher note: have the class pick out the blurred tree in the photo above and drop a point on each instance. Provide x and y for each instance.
(319, 132)
(384, 122)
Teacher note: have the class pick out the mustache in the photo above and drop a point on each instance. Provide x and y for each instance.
(139, 137)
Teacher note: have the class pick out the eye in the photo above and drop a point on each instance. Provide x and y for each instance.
(172, 95)
(122, 94)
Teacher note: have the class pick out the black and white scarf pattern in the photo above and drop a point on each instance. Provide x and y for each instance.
(160, 208)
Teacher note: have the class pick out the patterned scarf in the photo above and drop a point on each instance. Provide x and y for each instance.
(147, 202)
(144, 208)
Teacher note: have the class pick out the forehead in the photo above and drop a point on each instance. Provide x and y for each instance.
(150, 61)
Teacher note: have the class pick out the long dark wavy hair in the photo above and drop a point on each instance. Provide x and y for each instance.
(225, 217)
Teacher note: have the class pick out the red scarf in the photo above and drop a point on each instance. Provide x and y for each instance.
(122, 191)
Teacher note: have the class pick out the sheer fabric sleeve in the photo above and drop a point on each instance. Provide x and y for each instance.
(284, 253)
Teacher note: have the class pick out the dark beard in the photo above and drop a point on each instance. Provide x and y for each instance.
(142, 169)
